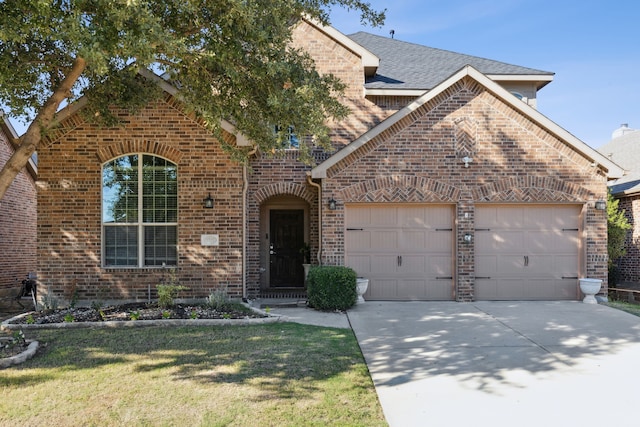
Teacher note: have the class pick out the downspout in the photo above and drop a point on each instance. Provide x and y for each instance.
(245, 189)
(310, 181)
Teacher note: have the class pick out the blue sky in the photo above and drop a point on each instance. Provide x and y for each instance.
(592, 46)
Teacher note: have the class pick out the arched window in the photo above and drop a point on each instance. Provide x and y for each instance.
(139, 211)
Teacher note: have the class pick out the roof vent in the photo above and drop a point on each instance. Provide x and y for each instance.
(621, 131)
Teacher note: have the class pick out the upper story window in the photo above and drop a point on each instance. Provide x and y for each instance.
(139, 211)
(288, 137)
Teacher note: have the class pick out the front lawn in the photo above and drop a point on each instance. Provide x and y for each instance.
(281, 374)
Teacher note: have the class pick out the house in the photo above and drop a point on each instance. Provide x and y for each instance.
(445, 184)
(17, 215)
(624, 149)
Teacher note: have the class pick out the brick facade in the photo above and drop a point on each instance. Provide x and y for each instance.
(17, 223)
(69, 230)
(629, 264)
(417, 160)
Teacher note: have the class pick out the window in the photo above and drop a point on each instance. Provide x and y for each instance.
(139, 211)
(287, 137)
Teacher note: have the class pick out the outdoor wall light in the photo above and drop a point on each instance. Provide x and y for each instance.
(467, 238)
(332, 204)
(466, 160)
(600, 205)
(208, 202)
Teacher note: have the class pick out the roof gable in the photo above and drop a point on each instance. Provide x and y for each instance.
(613, 170)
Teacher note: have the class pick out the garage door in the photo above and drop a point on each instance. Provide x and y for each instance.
(404, 250)
(527, 252)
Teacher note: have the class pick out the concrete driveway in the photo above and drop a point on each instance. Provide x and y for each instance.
(501, 363)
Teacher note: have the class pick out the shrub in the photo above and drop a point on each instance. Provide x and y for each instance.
(331, 287)
(168, 289)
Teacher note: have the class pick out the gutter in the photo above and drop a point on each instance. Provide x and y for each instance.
(319, 187)
(245, 189)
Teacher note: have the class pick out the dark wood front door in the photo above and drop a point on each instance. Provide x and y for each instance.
(286, 237)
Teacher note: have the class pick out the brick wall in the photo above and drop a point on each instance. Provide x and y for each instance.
(69, 230)
(419, 160)
(629, 264)
(17, 223)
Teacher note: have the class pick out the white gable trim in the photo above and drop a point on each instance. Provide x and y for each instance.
(370, 62)
(613, 170)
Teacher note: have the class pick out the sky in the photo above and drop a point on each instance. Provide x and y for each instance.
(593, 47)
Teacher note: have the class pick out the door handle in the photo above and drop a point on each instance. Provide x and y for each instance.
(399, 260)
(526, 260)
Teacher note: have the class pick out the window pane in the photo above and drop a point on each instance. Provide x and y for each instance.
(160, 245)
(120, 245)
(160, 190)
(120, 190)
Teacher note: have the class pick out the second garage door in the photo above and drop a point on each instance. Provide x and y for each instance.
(404, 250)
(527, 252)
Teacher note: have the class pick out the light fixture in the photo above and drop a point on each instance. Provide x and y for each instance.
(467, 238)
(466, 160)
(208, 202)
(600, 205)
(332, 204)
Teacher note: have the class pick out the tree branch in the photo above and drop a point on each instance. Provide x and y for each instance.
(43, 121)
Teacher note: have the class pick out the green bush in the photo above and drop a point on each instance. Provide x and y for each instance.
(331, 287)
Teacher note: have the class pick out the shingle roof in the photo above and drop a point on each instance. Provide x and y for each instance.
(625, 151)
(406, 65)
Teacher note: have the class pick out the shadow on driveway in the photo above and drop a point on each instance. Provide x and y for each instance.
(479, 362)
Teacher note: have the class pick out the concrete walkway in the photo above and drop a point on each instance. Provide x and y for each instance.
(501, 363)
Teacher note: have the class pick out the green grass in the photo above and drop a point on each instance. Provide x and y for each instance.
(625, 306)
(281, 374)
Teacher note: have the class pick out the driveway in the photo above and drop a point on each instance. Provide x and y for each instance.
(501, 363)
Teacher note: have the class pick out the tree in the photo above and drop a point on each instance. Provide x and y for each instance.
(617, 226)
(231, 59)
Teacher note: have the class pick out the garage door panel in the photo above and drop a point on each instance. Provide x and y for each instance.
(383, 240)
(415, 240)
(382, 289)
(404, 247)
(440, 241)
(358, 240)
(384, 216)
(382, 264)
(361, 264)
(526, 252)
(440, 266)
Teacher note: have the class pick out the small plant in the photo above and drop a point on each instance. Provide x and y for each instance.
(218, 299)
(226, 316)
(49, 301)
(168, 290)
(134, 315)
(305, 250)
(30, 319)
(17, 340)
(267, 309)
(166, 314)
(69, 318)
(97, 305)
(102, 315)
(194, 314)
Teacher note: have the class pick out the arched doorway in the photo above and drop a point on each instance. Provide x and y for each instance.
(284, 231)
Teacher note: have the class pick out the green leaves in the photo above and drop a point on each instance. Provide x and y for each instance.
(232, 60)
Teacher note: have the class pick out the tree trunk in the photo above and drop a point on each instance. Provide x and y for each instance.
(30, 141)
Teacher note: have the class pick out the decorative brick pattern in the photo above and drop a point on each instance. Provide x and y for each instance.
(515, 161)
